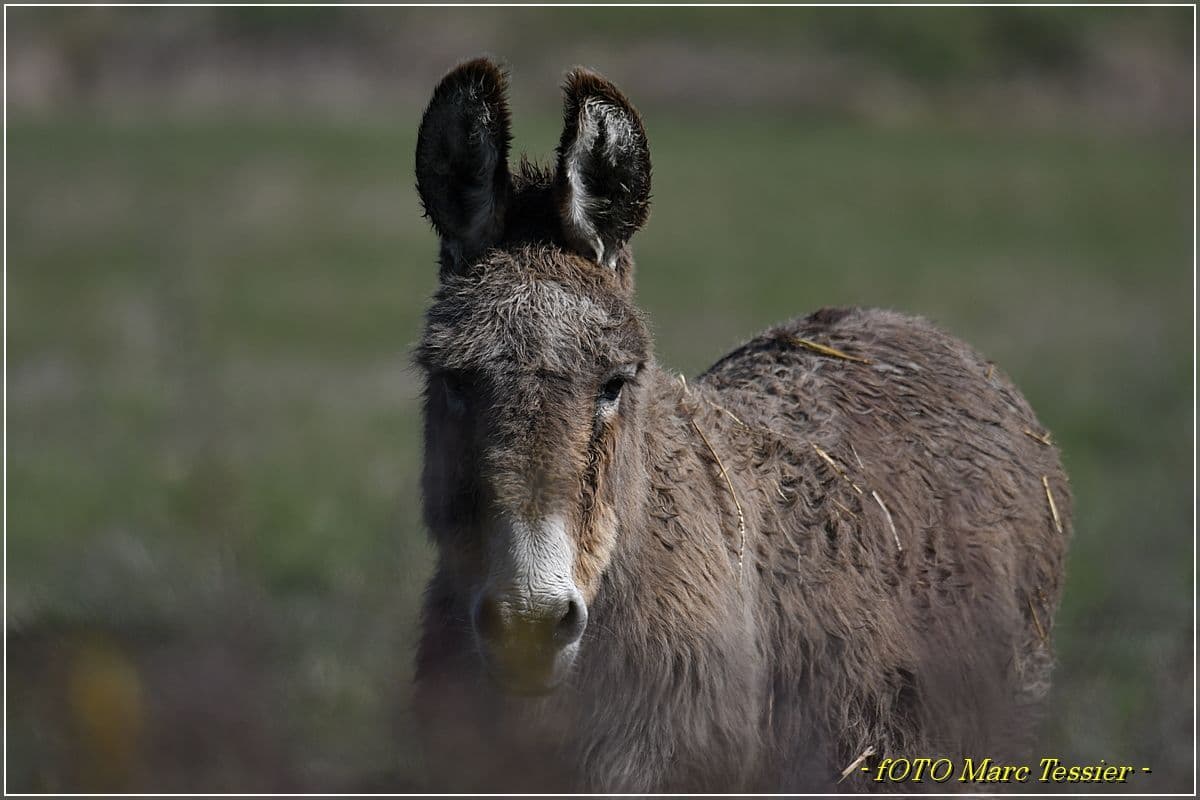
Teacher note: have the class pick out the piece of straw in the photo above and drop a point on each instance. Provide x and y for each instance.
(888, 514)
(870, 751)
(1053, 508)
(717, 406)
(826, 350)
(836, 466)
(843, 508)
(1044, 438)
(732, 493)
(1037, 623)
(727, 413)
(856, 458)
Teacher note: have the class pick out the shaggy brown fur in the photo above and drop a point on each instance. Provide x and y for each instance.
(801, 555)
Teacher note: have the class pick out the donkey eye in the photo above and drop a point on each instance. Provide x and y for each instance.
(611, 391)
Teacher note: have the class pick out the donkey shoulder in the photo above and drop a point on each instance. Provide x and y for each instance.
(865, 360)
(894, 400)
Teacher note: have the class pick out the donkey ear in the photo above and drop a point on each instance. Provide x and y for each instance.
(603, 179)
(462, 160)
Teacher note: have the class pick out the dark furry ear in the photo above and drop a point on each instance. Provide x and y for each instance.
(603, 179)
(462, 160)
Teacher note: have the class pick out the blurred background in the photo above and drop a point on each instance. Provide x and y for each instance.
(217, 267)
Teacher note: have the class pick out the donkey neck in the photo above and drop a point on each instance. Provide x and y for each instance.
(710, 427)
(695, 450)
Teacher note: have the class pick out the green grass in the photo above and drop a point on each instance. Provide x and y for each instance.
(212, 417)
(936, 46)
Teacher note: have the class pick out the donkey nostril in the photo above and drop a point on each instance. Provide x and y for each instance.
(489, 620)
(573, 621)
(529, 629)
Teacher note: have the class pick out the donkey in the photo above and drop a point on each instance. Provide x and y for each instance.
(843, 542)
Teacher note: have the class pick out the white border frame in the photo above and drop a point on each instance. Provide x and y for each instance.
(606, 5)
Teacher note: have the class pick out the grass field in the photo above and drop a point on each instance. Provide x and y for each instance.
(213, 429)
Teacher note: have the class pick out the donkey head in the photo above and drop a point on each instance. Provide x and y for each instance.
(532, 353)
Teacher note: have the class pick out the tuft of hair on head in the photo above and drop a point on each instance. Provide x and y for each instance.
(462, 160)
(602, 181)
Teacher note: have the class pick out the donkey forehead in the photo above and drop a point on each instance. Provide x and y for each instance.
(530, 324)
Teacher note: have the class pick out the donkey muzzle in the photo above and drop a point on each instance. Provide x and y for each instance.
(529, 644)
